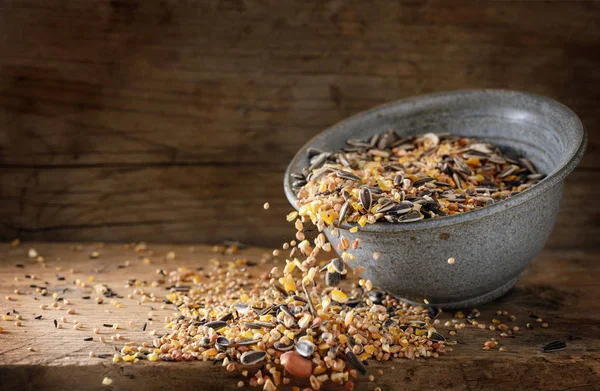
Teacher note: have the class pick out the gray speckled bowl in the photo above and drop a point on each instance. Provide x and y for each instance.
(493, 245)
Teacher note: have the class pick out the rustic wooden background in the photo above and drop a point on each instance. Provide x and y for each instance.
(174, 121)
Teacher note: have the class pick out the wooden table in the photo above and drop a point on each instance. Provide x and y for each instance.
(560, 286)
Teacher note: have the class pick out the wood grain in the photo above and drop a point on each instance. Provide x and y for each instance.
(127, 120)
(560, 286)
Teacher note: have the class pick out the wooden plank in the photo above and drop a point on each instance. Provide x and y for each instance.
(164, 100)
(198, 203)
(560, 286)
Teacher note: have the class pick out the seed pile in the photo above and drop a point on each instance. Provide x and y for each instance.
(310, 320)
(406, 179)
(280, 325)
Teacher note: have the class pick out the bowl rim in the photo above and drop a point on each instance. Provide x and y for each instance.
(555, 177)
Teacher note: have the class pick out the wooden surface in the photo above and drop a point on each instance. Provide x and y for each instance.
(173, 121)
(560, 286)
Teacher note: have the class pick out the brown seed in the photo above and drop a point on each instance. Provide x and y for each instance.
(296, 365)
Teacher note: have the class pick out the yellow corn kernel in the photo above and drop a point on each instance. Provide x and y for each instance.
(292, 216)
(362, 221)
(339, 296)
(244, 298)
(210, 352)
(328, 216)
(370, 349)
(353, 230)
(473, 161)
(247, 334)
(383, 185)
(289, 284)
(172, 297)
(343, 339)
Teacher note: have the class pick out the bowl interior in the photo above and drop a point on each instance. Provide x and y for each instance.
(538, 128)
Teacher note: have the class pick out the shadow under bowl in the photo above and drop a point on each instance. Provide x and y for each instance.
(492, 245)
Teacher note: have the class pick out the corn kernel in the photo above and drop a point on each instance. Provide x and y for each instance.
(339, 296)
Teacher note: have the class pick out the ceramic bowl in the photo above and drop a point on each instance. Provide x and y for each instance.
(492, 245)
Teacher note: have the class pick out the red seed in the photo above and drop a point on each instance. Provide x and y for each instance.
(296, 365)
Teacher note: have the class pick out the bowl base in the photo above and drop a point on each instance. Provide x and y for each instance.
(473, 301)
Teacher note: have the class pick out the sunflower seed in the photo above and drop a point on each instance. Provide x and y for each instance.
(398, 180)
(299, 298)
(435, 336)
(338, 265)
(347, 175)
(375, 296)
(283, 347)
(343, 160)
(317, 161)
(215, 325)
(389, 323)
(248, 341)
(299, 183)
(365, 198)
(332, 279)
(497, 159)
(433, 311)
(222, 343)
(297, 175)
(457, 181)
(259, 325)
(357, 143)
(554, 346)
(312, 152)
(410, 217)
(402, 208)
(285, 309)
(386, 206)
(484, 149)
(462, 166)
(305, 348)
(354, 361)
(374, 140)
(252, 357)
(343, 212)
(205, 342)
(532, 177)
(385, 140)
(528, 165)
(226, 317)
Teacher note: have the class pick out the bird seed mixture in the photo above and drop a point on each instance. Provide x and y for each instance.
(406, 179)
